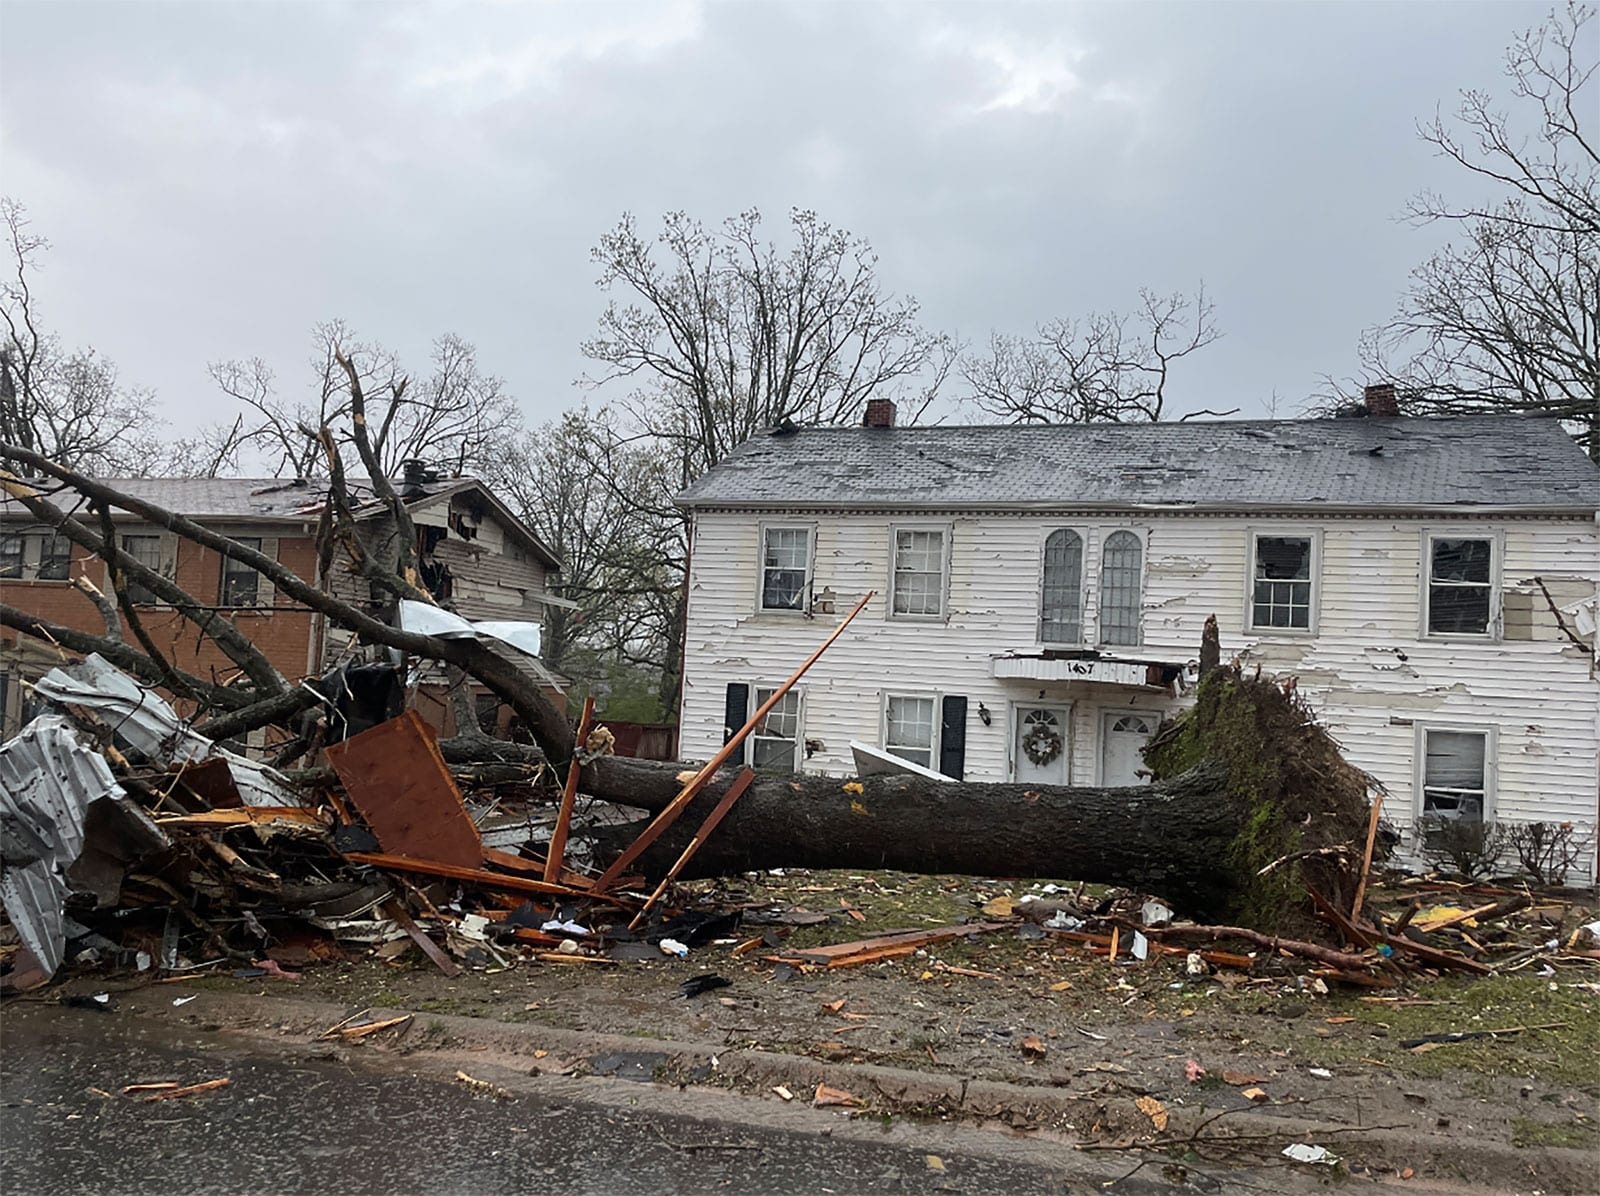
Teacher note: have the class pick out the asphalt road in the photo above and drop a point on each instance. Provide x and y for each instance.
(360, 1122)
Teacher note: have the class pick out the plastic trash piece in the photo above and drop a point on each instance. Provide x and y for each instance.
(1301, 1152)
(673, 947)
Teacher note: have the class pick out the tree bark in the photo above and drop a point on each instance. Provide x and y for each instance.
(1168, 838)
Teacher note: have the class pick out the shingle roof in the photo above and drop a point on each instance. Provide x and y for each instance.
(280, 499)
(1219, 464)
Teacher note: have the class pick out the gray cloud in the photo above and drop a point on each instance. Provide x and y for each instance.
(216, 178)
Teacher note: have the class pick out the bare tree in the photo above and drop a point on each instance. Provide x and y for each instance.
(1107, 366)
(1506, 317)
(454, 416)
(724, 334)
(594, 502)
(67, 404)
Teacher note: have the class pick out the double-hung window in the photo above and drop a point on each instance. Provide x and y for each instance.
(775, 743)
(785, 567)
(1283, 576)
(1121, 588)
(35, 556)
(146, 550)
(917, 583)
(1460, 590)
(910, 728)
(241, 584)
(1455, 774)
(1061, 591)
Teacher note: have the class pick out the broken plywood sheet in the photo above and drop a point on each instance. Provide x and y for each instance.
(394, 774)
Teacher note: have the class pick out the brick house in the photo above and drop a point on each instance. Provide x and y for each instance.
(476, 555)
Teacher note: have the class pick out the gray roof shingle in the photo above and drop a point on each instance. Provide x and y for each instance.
(1502, 461)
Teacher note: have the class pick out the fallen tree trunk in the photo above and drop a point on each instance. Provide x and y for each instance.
(1168, 838)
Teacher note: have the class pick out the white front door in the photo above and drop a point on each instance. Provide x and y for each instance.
(1039, 750)
(1123, 735)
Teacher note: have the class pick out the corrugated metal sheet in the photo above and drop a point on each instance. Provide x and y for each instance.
(142, 719)
(48, 781)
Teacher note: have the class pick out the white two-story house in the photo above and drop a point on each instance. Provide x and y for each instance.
(1041, 593)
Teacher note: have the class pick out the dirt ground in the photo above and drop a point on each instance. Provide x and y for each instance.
(1105, 1028)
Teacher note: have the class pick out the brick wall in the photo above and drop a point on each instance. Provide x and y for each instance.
(283, 632)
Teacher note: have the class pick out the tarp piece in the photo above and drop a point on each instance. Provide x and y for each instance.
(436, 621)
(48, 781)
(396, 777)
(143, 720)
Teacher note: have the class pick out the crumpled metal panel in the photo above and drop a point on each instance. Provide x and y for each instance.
(48, 781)
(148, 724)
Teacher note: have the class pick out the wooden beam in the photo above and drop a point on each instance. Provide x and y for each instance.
(475, 876)
(443, 962)
(669, 815)
(1366, 857)
(734, 793)
(557, 853)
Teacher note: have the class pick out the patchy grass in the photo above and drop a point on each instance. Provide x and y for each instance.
(1527, 1134)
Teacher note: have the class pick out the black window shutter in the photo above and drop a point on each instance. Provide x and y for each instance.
(736, 711)
(953, 738)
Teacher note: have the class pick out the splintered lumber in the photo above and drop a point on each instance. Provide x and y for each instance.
(734, 793)
(558, 837)
(885, 946)
(1495, 909)
(443, 962)
(1366, 856)
(247, 816)
(474, 876)
(191, 1090)
(670, 814)
(396, 777)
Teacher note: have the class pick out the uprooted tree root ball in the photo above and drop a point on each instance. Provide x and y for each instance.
(1298, 800)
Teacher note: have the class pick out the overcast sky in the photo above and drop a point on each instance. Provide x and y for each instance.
(216, 178)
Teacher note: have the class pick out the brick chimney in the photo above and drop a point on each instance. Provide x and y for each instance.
(1381, 400)
(880, 414)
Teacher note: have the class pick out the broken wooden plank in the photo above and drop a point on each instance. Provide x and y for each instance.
(443, 962)
(734, 793)
(476, 876)
(1366, 856)
(395, 776)
(670, 813)
(191, 1090)
(558, 837)
(911, 939)
(248, 816)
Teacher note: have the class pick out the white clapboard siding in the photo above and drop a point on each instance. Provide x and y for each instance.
(1367, 670)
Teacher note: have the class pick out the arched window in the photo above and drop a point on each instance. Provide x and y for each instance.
(1120, 562)
(1061, 596)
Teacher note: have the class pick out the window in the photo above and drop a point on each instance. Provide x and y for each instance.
(1460, 585)
(917, 584)
(1281, 594)
(909, 729)
(55, 558)
(785, 553)
(1061, 596)
(241, 585)
(1454, 774)
(35, 556)
(1121, 560)
(775, 743)
(147, 551)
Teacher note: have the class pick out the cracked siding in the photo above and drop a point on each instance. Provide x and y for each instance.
(1537, 692)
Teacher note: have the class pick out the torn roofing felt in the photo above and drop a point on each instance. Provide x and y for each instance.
(48, 781)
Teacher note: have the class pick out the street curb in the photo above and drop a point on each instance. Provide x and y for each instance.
(887, 1089)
